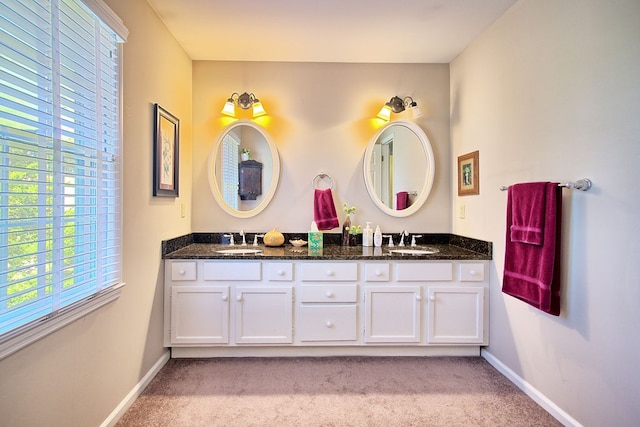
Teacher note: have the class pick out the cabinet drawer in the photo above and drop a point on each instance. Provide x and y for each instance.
(183, 270)
(376, 272)
(471, 272)
(239, 270)
(329, 271)
(280, 271)
(425, 271)
(328, 293)
(328, 323)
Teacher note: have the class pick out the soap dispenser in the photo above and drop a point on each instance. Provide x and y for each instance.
(377, 237)
(367, 235)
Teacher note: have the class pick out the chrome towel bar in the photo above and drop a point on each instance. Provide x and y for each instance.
(581, 184)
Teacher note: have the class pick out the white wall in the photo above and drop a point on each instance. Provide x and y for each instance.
(77, 376)
(551, 92)
(321, 117)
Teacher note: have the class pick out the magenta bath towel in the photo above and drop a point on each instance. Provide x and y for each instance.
(532, 271)
(324, 211)
(528, 212)
(402, 200)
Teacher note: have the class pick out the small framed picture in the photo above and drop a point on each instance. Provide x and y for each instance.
(166, 144)
(468, 174)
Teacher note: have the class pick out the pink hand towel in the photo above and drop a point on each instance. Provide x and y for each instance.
(324, 211)
(532, 272)
(402, 200)
(528, 212)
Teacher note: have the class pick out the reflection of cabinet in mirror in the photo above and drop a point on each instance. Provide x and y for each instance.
(249, 180)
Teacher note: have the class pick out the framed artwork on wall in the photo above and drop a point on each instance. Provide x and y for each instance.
(166, 144)
(469, 174)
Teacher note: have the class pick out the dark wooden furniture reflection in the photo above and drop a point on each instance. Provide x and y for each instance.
(250, 179)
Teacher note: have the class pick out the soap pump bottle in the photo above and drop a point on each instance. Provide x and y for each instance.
(377, 237)
(367, 235)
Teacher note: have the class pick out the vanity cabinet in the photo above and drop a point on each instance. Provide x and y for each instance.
(257, 307)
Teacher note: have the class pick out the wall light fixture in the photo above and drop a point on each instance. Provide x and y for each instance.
(398, 105)
(244, 101)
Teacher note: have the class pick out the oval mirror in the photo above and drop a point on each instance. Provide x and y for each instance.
(399, 168)
(243, 169)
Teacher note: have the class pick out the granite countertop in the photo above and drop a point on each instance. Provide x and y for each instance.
(206, 245)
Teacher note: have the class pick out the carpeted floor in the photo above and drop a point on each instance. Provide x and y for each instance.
(333, 391)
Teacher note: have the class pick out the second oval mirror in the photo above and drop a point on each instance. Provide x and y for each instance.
(399, 168)
(243, 170)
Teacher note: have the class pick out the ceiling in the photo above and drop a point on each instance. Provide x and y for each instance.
(364, 31)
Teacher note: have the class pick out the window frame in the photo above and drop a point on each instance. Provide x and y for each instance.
(22, 336)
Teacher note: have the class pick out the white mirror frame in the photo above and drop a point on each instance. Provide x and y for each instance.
(211, 171)
(423, 193)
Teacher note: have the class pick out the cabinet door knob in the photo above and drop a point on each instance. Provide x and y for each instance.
(329, 324)
(224, 297)
(329, 294)
(239, 298)
(418, 298)
(432, 298)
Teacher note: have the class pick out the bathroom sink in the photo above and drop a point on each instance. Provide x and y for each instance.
(239, 251)
(414, 251)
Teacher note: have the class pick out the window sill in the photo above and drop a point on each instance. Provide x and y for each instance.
(21, 339)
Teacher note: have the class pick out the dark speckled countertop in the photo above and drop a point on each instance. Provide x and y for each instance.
(206, 245)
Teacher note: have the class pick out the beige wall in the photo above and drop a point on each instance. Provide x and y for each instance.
(77, 376)
(321, 117)
(550, 92)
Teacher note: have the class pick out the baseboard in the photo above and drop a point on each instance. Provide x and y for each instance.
(131, 397)
(530, 391)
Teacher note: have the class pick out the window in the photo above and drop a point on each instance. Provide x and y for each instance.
(230, 147)
(60, 201)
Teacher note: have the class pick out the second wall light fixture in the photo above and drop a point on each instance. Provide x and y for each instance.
(398, 105)
(244, 101)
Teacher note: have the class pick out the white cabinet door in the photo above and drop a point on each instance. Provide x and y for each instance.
(392, 314)
(456, 315)
(264, 315)
(199, 315)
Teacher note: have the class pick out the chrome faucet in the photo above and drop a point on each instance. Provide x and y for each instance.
(413, 239)
(255, 239)
(402, 236)
(390, 239)
(230, 236)
(244, 240)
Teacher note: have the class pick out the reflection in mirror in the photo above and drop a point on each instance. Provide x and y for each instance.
(244, 168)
(399, 168)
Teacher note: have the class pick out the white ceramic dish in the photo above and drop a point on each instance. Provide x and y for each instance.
(298, 242)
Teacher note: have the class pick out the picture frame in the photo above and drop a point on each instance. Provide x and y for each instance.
(469, 174)
(166, 150)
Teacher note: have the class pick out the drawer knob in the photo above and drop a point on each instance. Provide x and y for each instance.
(473, 272)
(280, 272)
(329, 324)
(329, 273)
(329, 294)
(378, 273)
(182, 272)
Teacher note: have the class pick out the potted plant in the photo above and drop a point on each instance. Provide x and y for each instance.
(245, 154)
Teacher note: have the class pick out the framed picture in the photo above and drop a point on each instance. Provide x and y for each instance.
(468, 174)
(166, 143)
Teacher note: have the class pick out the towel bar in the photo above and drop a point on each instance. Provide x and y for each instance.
(581, 184)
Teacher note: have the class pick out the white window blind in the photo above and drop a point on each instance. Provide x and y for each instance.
(230, 179)
(60, 197)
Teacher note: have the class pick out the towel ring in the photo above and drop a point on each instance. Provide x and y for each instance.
(320, 177)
